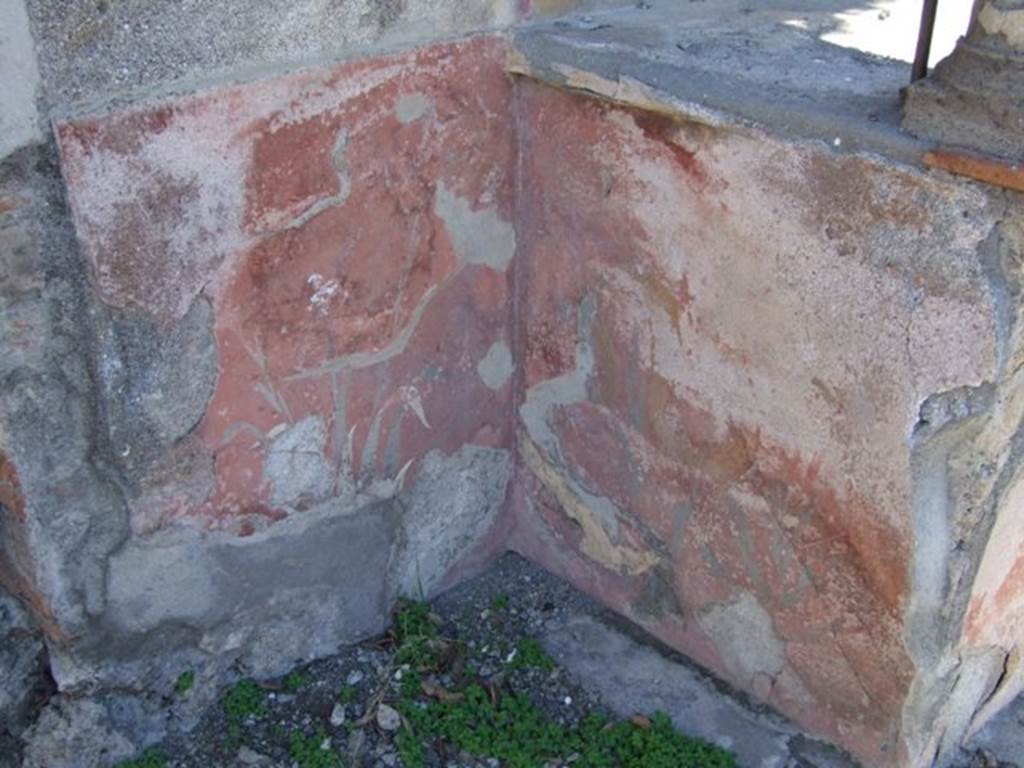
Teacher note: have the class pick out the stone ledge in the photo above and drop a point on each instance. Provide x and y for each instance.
(755, 69)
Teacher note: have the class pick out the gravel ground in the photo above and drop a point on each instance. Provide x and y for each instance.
(344, 707)
(338, 698)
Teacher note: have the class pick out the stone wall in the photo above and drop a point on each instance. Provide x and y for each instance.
(311, 306)
(256, 364)
(759, 383)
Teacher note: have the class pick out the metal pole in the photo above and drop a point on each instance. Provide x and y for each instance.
(924, 40)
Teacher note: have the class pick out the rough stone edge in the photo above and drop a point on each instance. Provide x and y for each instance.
(956, 682)
(694, 94)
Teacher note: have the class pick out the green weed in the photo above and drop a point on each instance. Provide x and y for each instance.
(347, 694)
(416, 635)
(514, 731)
(410, 750)
(413, 620)
(308, 752)
(184, 682)
(510, 728)
(245, 699)
(529, 654)
(296, 681)
(499, 603)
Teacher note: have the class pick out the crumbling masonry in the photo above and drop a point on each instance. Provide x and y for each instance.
(281, 342)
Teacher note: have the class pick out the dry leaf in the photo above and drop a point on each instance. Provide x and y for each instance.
(640, 721)
(437, 691)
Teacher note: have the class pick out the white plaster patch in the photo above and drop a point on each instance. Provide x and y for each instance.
(323, 292)
(295, 464)
(450, 508)
(411, 397)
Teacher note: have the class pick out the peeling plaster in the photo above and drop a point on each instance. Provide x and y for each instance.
(295, 464)
(597, 543)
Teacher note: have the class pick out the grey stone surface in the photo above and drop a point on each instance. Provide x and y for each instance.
(216, 603)
(22, 667)
(90, 50)
(730, 62)
(1003, 736)
(449, 508)
(632, 677)
(51, 425)
(19, 120)
(292, 592)
(747, 640)
(296, 466)
(143, 720)
(968, 445)
(75, 733)
(155, 380)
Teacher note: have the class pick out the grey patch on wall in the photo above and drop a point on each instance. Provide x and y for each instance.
(325, 570)
(296, 466)
(19, 120)
(22, 667)
(450, 506)
(480, 236)
(743, 632)
(412, 106)
(155, 381)
(659, 598)
(496, 367)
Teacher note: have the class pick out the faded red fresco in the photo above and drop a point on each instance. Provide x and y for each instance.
(710, 512)
(711, 347)
(314, 219)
